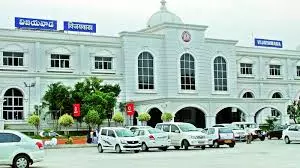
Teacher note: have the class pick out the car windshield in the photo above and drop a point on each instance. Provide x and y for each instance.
(155, 131)
(234, 127)
(187, 127)
(225, 130)
(124, 133)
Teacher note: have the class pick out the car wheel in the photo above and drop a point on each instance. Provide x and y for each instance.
(262, 138)
(144, 147)
(216, 144)
(177, 147)
(100, 149)
(211, 146)
(21, 161)
(279, 138)
(136, 151)
(269, 137)
(118, 149)
(203, 147)
(185, 144)
(164, 148)
(231, 145)
(287, 140)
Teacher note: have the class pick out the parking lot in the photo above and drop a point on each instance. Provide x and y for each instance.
(269, 153)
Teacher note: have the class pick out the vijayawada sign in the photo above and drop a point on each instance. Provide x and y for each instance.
(268, 43)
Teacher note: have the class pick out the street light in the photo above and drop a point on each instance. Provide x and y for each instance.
(30, 85)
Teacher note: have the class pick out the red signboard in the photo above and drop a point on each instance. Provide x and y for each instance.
(130, 109)
(76, 110)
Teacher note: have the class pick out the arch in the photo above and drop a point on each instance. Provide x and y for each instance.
(145, 71)
(277, 95)
(263, 112)
(243, 92)
(220, 76)
(13, 105)
(16, 87)
(229, 114)
(14, 47)
(155, 114)
(248, 95)
(191, 115)
(275, 61)
(281, 93)
(246, 60)
(104, 53)
(60, 50)
(190, 105)
(187, 72)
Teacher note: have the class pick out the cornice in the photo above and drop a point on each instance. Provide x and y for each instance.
(174, 26)
(221, 41)
(139, 34)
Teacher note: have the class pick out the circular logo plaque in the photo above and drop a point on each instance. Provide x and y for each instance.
(186, 36)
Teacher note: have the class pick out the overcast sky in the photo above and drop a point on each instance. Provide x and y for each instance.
(227, 19)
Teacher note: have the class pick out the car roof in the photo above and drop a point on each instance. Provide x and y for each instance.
(173, 123)
(113, 128)
(9, 131)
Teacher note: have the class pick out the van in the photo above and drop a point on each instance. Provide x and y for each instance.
(220, 136)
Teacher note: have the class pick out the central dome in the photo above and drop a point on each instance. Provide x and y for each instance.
(163, 16)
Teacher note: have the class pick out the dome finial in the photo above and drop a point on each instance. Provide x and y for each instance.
(163, 5)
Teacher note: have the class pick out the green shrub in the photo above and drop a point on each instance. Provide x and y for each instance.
(34, 120)
(118, 118)
(167, 117)
(69, 141)
(144, 117)
(92, 118)
(66, 121)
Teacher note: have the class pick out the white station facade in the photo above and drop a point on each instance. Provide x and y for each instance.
(167, 67)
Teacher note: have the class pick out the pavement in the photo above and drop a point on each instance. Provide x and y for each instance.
(259, 154)
(71, 146)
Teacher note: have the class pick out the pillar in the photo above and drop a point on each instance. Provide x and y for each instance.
(250, 118)
(1, 108)
(210, 121)
(2, 124)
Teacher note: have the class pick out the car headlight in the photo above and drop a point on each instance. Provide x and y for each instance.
(123, 142)
(193, 137)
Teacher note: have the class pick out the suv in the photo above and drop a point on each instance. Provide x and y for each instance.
(118, 139)
(19, 150)
(220, 136)
(292, 133)
(183, 135)
(251, 128)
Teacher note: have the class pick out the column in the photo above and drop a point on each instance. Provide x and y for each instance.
(37, 56)
(1, 108)
(260, 68)
(37, 97)
(83, 60)
(210, 121)
(2, 124)
(285, 120)
(250, 118)
(25, 108)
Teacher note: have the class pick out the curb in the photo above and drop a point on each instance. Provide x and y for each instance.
(72, 146)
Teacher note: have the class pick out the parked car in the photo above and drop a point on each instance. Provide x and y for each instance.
(134, 128)
(19, 150)
(220, 136)
(118, 139)
(276, 132)
(49, 134)
(252, 129)
(239, 134)
(292, 133)
(184, 135)
(153, 138)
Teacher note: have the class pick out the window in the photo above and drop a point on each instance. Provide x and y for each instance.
(298, 71)
(277, 95)
(211, 131)
(103, 132)
(8, 138)
(275, 113)
(248, 95)
(158, 126)
(174, 128)
(246, 69)
(220, 74)
(166, 128)
(13, 105)
(187, 71)
(141, 133)
(145, 71)
(13, 58)
(275, 70)
(103, 63)
(111, 133)
(60, 61)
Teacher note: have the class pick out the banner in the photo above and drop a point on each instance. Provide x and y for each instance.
(76, 110)
(80, 27)
(38, 24)
(130, 109)
(268, 43)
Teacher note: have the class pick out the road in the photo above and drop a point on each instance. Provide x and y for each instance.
(270, 153)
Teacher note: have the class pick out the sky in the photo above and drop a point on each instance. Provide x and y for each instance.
(241, 20)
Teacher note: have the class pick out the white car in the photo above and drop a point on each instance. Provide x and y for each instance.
(239, 133)
(19, 150)
(184, 135)
(251, 128)
(153, 138)
(292, 133)
(134, 128)
(118, 139)
(220, 136)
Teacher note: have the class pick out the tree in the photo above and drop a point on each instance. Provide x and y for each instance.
(270, 123)
(58, 99)
(66, 121)
(118, 118)
(92, 118)
(144, 117)
(34, 120)
(293, 111)
(166, 117)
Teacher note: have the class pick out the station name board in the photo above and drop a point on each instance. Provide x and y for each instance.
(268, 43)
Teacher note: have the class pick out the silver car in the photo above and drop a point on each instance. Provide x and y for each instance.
(153, 138)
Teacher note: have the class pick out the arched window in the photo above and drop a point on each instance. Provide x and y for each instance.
(277, 95)
(13, 108)
(145, 71)
(248, 95)
(220, 74)
(187, 72)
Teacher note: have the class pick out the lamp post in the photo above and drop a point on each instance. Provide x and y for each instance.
(30, 85)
